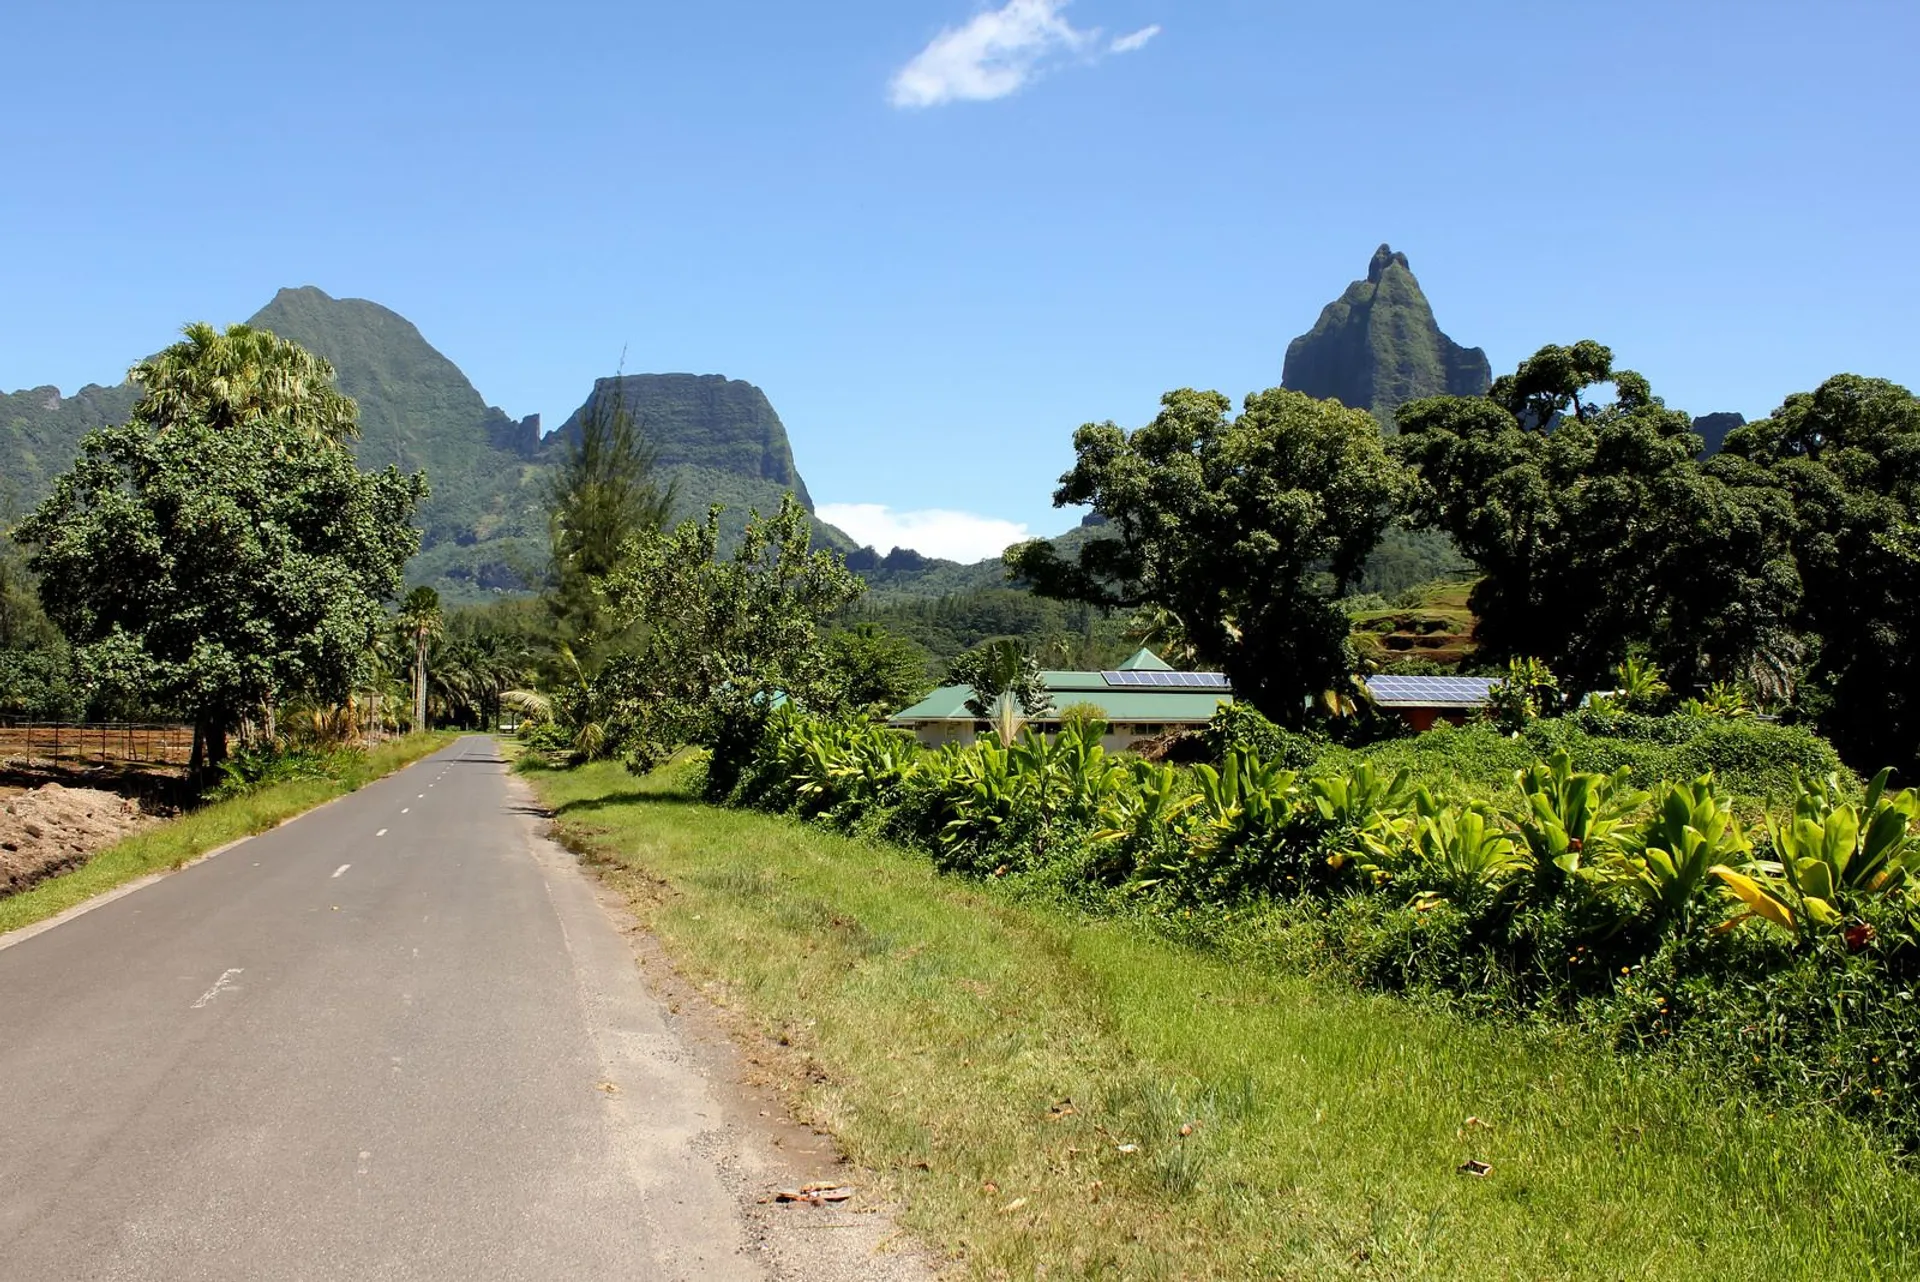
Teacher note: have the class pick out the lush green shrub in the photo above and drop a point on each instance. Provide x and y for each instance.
(1241, 727)
(1753, 758)
(547, 738)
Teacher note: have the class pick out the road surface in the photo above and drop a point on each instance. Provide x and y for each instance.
(397, 1038)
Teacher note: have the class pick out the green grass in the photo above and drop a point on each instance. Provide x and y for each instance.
(176, 841)
(941, 1025)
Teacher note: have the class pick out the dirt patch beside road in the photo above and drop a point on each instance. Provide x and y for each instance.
(54, 828)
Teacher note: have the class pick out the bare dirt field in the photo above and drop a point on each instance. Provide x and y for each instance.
(53, 828)
(32, 745)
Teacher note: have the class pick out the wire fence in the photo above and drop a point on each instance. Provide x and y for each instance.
(29, 744)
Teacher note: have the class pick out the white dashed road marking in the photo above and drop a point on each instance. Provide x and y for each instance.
(342, 868)
(218, 985)
(381, 833)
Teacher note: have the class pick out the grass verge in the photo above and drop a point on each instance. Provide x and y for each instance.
(1050, 1095)
(173, 843)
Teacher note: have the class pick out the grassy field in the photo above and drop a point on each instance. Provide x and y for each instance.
(170, 844)
(1046, 1095)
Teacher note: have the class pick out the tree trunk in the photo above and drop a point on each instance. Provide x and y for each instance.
(420, 687)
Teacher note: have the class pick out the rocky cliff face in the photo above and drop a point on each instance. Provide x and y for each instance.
(703, 423)
(1377, 346)
(418, 411)
(1713, 429)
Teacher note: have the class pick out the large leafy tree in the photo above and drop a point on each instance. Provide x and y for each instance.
(1596, 528)
(1242, 531)
(1847, 456)
(726, 640)
(240, 377)
(879, 672)
(222, 551)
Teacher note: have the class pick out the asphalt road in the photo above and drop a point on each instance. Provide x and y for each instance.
(397, 1038)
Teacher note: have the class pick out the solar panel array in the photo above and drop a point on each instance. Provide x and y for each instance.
(1148, 679)
(1431, 690)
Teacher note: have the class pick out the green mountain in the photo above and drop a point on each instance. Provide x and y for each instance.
(40, 433)
(484, 528)
(719, 440)
(1377, 347)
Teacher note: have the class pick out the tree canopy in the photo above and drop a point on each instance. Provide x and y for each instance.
(727, 640)
(603, 494)
(1846, 458)
(1594, 525)
(222, 550)
(1247, 529)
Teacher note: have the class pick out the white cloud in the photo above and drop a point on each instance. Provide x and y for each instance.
(998, 52)
(1135, 42)
(954, 536)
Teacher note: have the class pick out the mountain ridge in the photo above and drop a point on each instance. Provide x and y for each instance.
(484, 526)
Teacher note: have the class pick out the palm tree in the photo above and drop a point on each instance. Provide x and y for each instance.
(1005, 686)
(582, 709)
(420, 620)
(243, 376)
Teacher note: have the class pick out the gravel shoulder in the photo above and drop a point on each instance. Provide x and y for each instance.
(725, 1083)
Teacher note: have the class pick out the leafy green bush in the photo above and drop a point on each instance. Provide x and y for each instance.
(1240, 727)
(1754, 758)
(548, 738)
(254, 768)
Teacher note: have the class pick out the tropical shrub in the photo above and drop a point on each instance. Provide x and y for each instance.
(1642, 908)
(1240, 727)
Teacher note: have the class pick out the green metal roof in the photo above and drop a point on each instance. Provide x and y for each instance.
(949, 703)
(1144, 660)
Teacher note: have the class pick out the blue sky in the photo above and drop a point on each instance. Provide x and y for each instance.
(941, 234)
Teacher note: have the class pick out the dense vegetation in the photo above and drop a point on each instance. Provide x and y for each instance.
(1778, 952)
(484, 527)
(1048, 1093)
(221, 552)
(1784, 570)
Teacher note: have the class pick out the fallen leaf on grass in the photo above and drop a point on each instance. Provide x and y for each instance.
(1474, 1166)
(1013, 1206)
(1128, 1148)
(1188, 1128)
(1064, 1108)
(1474, 1121)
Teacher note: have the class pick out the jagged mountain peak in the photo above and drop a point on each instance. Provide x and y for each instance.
(1383, 258)
(1377, 346)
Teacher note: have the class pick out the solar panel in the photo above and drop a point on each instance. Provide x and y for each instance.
(1431, 690)
(1149, 679)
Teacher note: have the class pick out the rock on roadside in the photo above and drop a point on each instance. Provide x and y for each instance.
(54, 828)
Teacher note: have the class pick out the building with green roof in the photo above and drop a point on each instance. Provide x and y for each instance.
(1141, 698)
